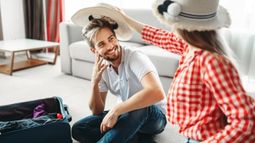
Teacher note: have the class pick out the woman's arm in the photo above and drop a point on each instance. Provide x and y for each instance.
(223, 80)
(159, 37)
(134, 24)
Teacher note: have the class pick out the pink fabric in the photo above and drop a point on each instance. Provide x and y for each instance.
(39, 110)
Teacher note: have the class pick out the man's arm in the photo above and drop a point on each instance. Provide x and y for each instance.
(151, 93)
(97, 100)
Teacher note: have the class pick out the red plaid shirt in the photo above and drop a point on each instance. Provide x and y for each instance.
(206, 98)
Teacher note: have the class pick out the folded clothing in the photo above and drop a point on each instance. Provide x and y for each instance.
(8, 126)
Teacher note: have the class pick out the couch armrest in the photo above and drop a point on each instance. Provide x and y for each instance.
(69, 33)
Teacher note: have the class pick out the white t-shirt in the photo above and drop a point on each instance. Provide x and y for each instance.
(134, 66)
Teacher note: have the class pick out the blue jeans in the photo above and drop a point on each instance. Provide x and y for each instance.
(148, 120)
(188, 140)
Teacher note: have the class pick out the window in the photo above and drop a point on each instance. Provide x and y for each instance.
(242, 14)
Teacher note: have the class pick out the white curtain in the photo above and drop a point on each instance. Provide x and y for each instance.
(242, 14)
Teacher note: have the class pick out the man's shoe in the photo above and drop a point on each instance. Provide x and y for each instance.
(134, 139)
(146, 138)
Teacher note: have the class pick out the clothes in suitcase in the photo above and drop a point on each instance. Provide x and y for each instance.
(38, 121)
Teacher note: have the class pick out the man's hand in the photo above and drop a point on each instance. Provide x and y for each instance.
(109, 121)
(98, 69)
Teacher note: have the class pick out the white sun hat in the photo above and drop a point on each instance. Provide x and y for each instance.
(81, 18)
(192, 15)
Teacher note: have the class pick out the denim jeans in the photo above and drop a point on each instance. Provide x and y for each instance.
(188, 140)
(148, 120)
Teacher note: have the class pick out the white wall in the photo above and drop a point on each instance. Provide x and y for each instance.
(71, 6)
(12, 15)
(242, 13)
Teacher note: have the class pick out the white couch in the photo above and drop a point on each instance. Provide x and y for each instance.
(77, 59)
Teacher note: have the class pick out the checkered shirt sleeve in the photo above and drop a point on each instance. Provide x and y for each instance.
(163, 39)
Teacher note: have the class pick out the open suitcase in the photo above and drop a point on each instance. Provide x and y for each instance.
(54, 129)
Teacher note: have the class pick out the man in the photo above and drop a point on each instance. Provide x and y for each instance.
(131, 77)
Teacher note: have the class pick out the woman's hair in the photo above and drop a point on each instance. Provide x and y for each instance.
(210, 41)
(94, 26)
(206, 40)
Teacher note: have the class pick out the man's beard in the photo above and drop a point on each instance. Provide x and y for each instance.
(115, 57)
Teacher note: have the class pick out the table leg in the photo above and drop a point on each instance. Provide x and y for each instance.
(12, 63)
(55, 55)
(28, 54)
(8, 68)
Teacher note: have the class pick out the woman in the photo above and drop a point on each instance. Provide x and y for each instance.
(206, 98)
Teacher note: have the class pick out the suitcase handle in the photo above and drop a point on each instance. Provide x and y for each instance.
(69, 117)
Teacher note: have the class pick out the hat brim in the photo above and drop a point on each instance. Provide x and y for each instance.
(80, 18)
(222, 19)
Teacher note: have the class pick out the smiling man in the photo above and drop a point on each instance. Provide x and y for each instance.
(131, 77)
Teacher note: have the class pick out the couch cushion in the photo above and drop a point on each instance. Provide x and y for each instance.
(146, 16)
(165, 62)
(81, 51)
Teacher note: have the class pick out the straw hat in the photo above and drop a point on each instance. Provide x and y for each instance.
(192, 15)
(82, 16)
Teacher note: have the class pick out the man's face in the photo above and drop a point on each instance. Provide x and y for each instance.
(106, 44)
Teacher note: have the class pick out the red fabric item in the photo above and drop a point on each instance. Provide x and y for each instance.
(206, 97)
(54, 17)
(49, 20)
(55, 22)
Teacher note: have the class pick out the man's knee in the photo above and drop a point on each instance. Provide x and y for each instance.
(139, 114)
(155, 123)
(77, 131)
